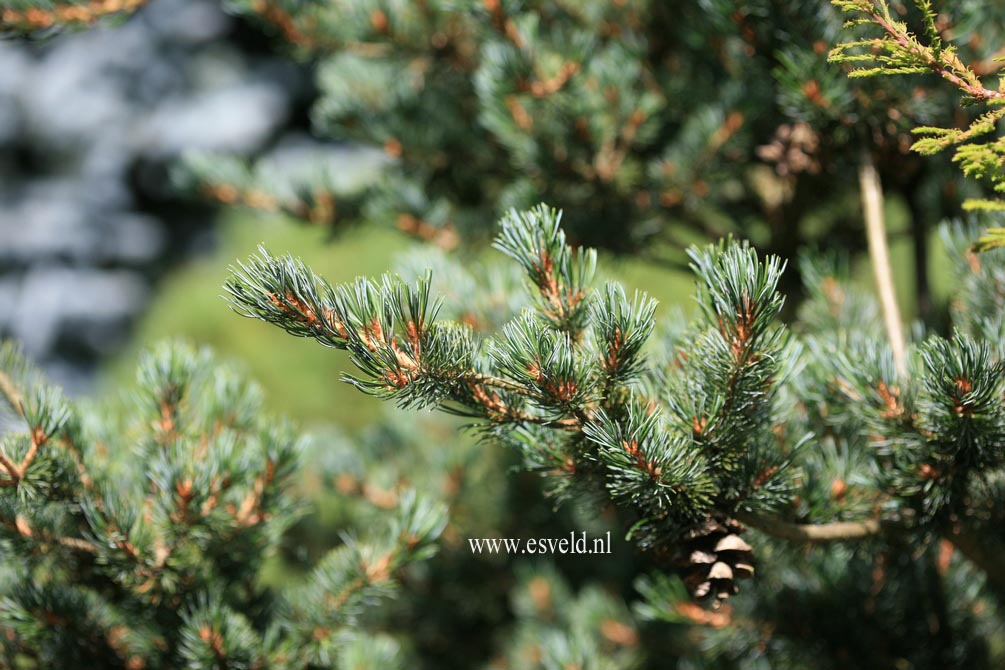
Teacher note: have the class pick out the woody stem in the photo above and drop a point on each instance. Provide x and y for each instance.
(838, 531)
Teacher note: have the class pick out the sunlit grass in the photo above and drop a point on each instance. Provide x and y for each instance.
(301, 378)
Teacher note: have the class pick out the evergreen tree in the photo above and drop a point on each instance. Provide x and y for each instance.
(818, 433)
(851, 474)
(134, 535)
(675, 120)
(652, 124)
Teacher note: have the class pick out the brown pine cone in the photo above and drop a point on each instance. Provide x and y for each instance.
(711, 557)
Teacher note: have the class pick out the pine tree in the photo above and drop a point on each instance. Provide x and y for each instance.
(678, 121)
(850, 475)
(814, 433)
(134, 535)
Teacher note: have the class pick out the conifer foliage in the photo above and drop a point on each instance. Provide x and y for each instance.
(670, 119)
(556, 379)
(717, 429)
(134, 536)
(754, 463)
(898, 51)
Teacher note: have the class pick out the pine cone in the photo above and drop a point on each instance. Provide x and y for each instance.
(793, 150)
(712, 556)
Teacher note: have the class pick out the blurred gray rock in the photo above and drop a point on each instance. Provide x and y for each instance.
(208, 121)
(186, 23)
(90, 120)
(58, 231)
(299, 158)
(92, 305)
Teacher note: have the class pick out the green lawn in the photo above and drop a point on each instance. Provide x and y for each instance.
(301, 378)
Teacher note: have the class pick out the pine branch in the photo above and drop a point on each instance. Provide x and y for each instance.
(898, 52)
(319, 208)
(701, 437)
(562, 274)
(65, 13)
(163, 526)
(838, 531)
(907, 51)
(317, 202)
(567, 367)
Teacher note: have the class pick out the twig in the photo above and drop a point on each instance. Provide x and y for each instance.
(73, 543)
(872, 206)
(38, 438)
(9, 390)
(66, 13)
(12, 470)
(570, 423)
(498, 382)
(837, 531)
(21, 527)
(942, 67)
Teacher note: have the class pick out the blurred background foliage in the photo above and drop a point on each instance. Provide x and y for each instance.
(749, 131)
